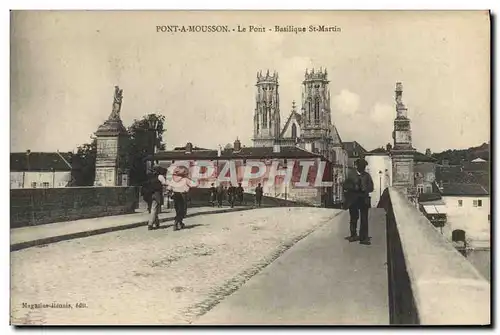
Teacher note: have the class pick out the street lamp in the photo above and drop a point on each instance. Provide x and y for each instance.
(380, 184)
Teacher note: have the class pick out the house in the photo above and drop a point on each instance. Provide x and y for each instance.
(40, 169)
(467, 207)
(380, 169)
(354, 151)
(424, 168)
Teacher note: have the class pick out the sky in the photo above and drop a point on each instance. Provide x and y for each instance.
(64, 66)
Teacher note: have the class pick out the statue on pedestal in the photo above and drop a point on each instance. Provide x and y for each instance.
(117, 104)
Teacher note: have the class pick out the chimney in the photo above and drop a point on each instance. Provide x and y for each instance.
(428, 152)
(28, 152)
(388, 147)
(189, 148)
(237, 145)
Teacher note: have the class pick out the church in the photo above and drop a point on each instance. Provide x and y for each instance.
(310, 129)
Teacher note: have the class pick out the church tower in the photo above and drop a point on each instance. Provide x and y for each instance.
(402, 151)
(267, 121)
(316, 114)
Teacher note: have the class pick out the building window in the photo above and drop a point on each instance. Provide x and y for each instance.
(316, 111)
(264, 118)
(460, 203)
(45, 184)
(420, 188)
(294, 131)
(489, 218)
(474, 203)
(480, 203)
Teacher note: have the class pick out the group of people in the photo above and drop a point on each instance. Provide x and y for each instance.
(232, 194)
(357, 189)
(154, 189)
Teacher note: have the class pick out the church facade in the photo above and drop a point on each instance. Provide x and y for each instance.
(311, 128)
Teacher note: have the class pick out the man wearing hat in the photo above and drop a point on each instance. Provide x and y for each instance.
(357, 188)
(180, 186)
(156, 183)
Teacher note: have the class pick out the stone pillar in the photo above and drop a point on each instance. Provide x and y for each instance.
(111, 137)
(402, 169)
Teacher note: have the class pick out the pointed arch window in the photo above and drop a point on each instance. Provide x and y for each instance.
(316, 110)
(294, 131)
(270, 117)
(309, 109)
(264, 117)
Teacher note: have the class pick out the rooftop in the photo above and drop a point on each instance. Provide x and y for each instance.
(40, 161)
(463, 189)
(245, 152)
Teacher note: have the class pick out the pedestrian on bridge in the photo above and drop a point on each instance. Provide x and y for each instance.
(180, 186)
(357, 188)
(259, 191)
(156, 183)
(220, 195)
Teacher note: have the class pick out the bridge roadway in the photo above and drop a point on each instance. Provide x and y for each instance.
(262, 266)
(322, 280)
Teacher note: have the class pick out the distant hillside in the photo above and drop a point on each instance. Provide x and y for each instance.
(455, 157)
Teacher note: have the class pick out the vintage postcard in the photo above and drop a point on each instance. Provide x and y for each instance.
(250, 168)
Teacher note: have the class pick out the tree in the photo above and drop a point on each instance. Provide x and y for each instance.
(144, 135)
(83, 164)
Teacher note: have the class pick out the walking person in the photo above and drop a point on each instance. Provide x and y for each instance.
(156, 183)
(231, 194)
(239, 194)
(213, 195)
(180, 186)
(357, 188)
(258, 195)
(220, 195)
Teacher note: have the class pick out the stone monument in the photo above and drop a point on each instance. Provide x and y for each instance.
(402, 151)
(111, 139)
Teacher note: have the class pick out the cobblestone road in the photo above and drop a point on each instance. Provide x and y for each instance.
(153, 277)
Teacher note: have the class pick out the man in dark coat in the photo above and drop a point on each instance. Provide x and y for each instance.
(220, 195)
(239, 193)
(156, 182)
(231, 194)
(213, 195)
(258, 195)
(357, 188)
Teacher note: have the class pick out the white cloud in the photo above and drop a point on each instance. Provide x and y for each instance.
(382, 113)
(346, 102)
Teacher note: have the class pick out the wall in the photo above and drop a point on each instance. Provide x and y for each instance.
(430, 282)
(55, 179)
(30, 207)
(378, 163)
(473, 220)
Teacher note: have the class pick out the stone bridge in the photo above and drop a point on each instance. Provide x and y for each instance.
(268, 266)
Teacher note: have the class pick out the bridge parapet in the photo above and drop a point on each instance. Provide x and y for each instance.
(430, 282)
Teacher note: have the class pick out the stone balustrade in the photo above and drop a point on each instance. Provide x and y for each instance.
(430, 282)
